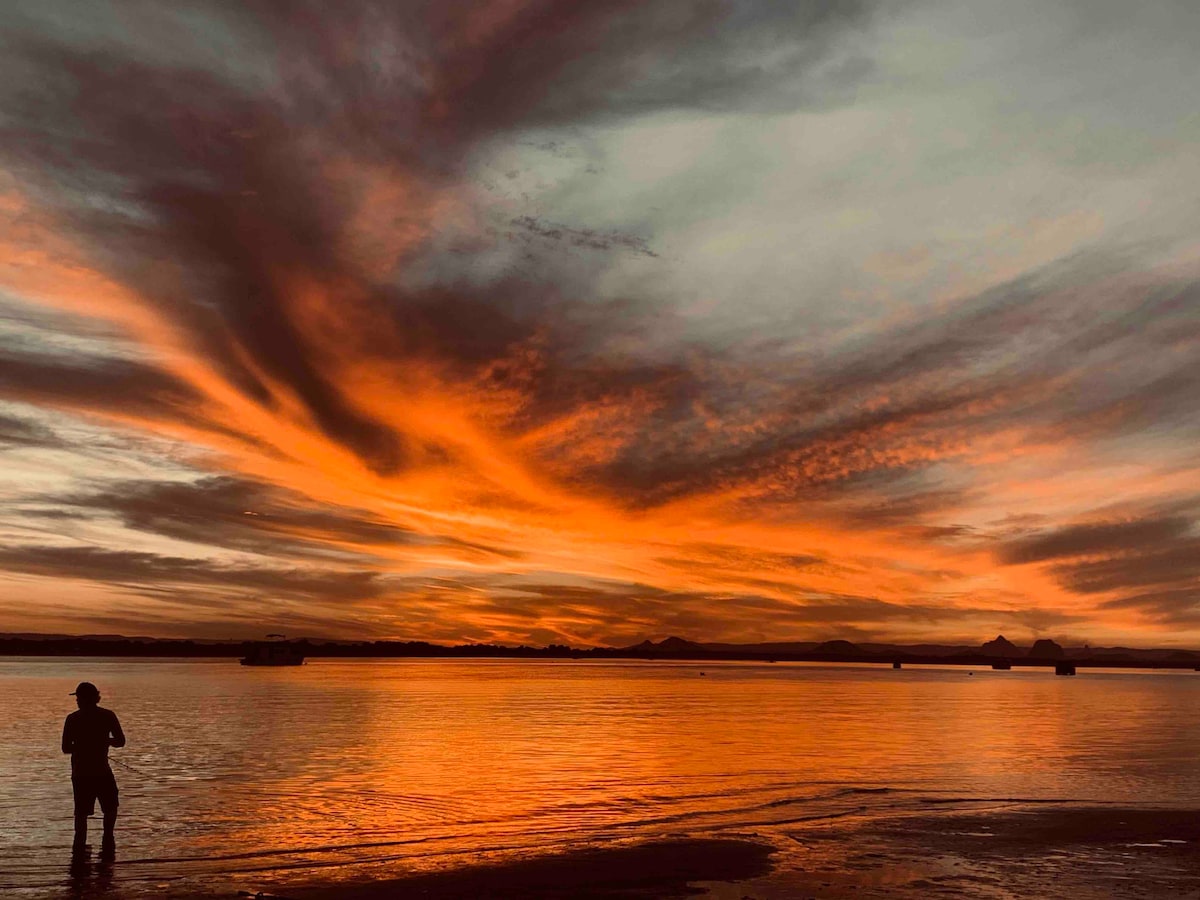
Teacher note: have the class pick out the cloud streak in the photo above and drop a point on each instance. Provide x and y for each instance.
(521, 300)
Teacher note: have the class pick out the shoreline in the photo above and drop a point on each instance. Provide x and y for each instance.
(836, 652)
(868, 660)
(1086, 852)
(651, 869)
(1010, 851)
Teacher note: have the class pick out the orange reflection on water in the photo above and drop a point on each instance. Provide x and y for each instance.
(411, 764)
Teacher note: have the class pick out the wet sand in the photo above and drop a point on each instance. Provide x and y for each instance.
(1090, 853)
(650, 870)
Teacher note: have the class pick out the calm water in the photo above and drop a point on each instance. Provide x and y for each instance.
(241, 777)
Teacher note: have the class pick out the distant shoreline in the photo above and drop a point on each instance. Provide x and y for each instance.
(191, 649)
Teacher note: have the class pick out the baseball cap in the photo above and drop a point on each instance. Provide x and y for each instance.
(86, 689)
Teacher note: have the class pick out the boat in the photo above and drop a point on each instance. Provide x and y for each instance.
(273, 653)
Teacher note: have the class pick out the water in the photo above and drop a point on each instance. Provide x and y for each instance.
(359, 768)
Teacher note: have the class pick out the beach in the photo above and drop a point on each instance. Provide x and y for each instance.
(1020, 852)
(1026, 851)
(667, 868)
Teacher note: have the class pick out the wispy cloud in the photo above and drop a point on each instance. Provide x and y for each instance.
(553, 319)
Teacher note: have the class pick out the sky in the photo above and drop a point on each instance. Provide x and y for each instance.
(583, 322)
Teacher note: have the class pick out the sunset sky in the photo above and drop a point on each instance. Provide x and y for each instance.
(586, 322)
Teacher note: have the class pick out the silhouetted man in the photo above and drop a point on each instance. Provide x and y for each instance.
(87, 735)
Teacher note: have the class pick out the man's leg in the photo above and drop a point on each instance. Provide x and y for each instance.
(108, 805)
(84, 806)
(80, 832)
(109, 844)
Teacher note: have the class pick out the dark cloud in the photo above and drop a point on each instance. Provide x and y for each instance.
(556, 61)
(98, 384)
(823, 614)
(1058, 354)
(1174, 561)
(894, 503)
(18, 432)
(229, 179)
(269, 202)
(196, 172)
(1151, 563)
(1104, 538)
(23, 322)
(255, 517)
(635, 609)
(142, 571)
(1172, 607)
(242, 515)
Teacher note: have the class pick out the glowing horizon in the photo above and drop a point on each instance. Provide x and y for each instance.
(583, 323)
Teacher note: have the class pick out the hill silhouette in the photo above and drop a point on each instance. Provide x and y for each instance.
(1046, 649)
(667, 645)
(836, 648)
(1041, 653)
(1000, 646)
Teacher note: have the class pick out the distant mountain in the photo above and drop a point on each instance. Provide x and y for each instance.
(130, 638)
(767, 648)
(1046, 649)
(39, 636)
(1042, 652)
(837, 648)
(1111, 652)
(668, 645)
(919, 649)
(1000, 646)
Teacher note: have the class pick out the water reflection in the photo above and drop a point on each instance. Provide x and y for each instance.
(88, 877)
(421, 763)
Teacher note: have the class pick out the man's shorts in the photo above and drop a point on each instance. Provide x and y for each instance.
(90, 788)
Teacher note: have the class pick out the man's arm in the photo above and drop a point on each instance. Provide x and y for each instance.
(118, 736)
(68, 740)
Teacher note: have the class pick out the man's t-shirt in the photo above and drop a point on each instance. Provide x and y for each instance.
(86, 736)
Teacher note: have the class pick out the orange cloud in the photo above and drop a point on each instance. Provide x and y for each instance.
(359, 436)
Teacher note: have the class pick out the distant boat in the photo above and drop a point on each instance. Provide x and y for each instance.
(273, 653)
